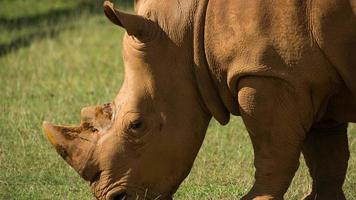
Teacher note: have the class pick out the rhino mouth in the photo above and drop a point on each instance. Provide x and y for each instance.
(127, 193)
(118, 194)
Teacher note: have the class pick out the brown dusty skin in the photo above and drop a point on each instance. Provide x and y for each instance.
(286, 67)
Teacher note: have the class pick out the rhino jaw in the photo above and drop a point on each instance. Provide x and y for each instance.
(74, 144)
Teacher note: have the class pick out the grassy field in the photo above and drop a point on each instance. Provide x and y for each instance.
(57, 56)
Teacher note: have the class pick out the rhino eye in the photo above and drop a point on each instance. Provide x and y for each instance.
(135, 125)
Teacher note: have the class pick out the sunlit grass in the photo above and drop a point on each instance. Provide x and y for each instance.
(54, 76)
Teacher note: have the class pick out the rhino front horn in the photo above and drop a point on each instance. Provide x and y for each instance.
(74, 144)
(136, 25)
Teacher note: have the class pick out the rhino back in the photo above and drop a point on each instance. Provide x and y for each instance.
(333, 26)
(282, 39)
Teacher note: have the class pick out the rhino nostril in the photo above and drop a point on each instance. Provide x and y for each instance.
(96, 177)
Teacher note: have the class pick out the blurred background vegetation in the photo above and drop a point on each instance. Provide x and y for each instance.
(57, 56)
(23, 21)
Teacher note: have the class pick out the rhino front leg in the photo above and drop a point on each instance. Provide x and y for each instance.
(326, 153)
(269, 110)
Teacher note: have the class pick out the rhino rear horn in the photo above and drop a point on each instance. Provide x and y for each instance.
(135, 25)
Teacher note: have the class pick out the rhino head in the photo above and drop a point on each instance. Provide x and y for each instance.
(143, 144)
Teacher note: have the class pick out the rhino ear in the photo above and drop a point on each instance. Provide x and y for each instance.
(135, 25)
(137, 5)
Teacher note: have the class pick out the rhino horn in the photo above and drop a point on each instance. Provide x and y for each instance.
(135, 25)
(73, 144)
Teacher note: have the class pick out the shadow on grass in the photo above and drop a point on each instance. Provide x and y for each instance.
(50, 17)
(55, 21)
(26, 41)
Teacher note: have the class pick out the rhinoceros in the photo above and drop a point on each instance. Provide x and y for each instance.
(288, 68)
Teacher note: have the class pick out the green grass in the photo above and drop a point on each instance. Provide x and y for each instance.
(53, 65)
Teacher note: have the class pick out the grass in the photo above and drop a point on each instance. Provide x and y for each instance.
(59, 56)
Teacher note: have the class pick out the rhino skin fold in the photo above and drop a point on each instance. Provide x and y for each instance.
(287, 68)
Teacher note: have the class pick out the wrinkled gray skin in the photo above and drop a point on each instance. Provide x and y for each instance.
(287, 67)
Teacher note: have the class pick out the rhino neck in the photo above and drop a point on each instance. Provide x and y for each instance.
(216, 100)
